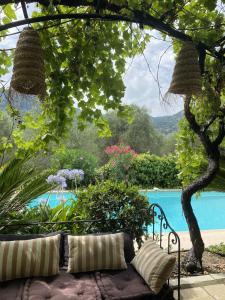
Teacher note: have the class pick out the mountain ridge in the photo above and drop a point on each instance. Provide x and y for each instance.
(167, 124)
(164, 124)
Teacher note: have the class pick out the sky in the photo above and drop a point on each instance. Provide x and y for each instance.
(143, 87)
(144, 81)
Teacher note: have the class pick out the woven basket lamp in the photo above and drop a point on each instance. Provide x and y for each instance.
(28, 69)
(186, 78)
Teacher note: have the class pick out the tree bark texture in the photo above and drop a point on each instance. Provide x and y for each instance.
(213, 156)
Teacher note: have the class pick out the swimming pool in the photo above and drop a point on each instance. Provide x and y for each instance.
(209, 207)
(53, 198)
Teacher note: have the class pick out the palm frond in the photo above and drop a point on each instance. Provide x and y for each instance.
(19, 184)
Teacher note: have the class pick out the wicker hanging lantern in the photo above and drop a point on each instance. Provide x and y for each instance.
(28, 69)
(186, 78)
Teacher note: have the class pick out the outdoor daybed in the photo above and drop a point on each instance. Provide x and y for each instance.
(68, 271)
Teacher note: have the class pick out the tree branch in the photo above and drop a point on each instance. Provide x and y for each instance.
(189, 116)
(213, 156)
(221, 133)
(140, 17)
(62, 17)
(211, 120)
(220, 41)
(210, 148)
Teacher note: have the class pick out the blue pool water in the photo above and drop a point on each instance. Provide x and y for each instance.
(209, 207)
(53, 199)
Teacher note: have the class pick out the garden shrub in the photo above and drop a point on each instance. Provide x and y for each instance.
(76, 159)
(114, 200)
(43, 212)
(120, 160)
(148, 171)
(118, 202)
(218, 249)
(105, 172)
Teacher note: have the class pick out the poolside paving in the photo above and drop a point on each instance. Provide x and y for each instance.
(210, 237)
(206, 287)
(209, 287)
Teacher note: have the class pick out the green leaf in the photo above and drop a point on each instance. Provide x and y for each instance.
(9, 12)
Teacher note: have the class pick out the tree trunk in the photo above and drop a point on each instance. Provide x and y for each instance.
(194, 230)
(213, 155)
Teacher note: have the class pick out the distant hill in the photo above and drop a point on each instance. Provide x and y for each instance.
(167, 124)
(23, 104)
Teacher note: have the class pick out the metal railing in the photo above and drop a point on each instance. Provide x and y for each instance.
(160, 222)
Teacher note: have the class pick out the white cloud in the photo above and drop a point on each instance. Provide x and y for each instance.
(141, 86)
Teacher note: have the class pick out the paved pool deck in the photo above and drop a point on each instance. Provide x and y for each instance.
(210, 237)
(207, 287)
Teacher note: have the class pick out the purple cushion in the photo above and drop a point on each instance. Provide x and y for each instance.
(124, 284)
(110, 285)
(12, 289)
(128, 284)
(64, 286)
(60, 287)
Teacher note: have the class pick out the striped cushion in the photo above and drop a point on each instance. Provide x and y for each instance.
(35, 257)
(154, 265)
(96, 252)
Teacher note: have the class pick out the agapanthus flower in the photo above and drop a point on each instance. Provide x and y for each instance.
(77, 174)
(63, 175)
(56, 179)
(64, 172)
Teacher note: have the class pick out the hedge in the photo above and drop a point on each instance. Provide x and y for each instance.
(148, 171)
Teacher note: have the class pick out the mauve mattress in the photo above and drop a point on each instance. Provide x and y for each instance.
(128, 285)
(107, 285)
(61, 287)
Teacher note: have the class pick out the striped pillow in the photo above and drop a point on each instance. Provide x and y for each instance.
(27, 258)
(154, 265)
(96, 252)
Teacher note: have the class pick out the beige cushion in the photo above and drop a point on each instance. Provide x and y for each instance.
(96, 252)
(154, 265)
(27, 258)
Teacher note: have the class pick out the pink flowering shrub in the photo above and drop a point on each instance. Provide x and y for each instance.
(117, 150)
(120, 159)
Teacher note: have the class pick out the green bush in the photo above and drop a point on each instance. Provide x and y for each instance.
(114, 200)
(120, 202)
(149, 170)
(43, 213)
(218, 249)
(120, 159)
(76, 159)
(105, 172)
